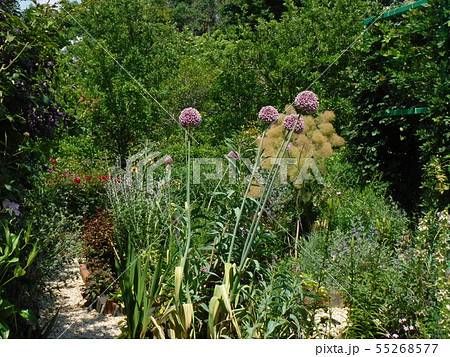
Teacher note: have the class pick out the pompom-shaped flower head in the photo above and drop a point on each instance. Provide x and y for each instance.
(233, 155)
(268, 114)
(307, 102)
(289, 123)
(168, 160)
(190, 118)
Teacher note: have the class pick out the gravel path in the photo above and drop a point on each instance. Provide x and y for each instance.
(332, 322)
(75, 321)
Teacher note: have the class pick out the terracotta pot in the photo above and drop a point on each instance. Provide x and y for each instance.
(112, 308)
(84, 273)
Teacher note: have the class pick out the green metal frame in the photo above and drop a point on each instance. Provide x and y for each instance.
(396, 11)
(400, 112)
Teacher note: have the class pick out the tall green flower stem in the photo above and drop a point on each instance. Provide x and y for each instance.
(260, 208)
(181, 270)
(263, 200)
(188, 199)
(241, 209)
(215, 190)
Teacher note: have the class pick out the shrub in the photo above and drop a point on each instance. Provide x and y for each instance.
(99, 253)
(17, 253)
(362, 247)
(397, 54)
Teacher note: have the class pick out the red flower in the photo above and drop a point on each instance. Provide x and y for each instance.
(103, 178)
(118, 180)
(111, 176)
(77, 180)
(88, 177)
(53, 161)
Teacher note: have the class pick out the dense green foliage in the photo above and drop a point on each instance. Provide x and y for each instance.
(30, 109)
(405, 65)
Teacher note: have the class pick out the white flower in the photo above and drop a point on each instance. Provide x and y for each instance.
(422, 226)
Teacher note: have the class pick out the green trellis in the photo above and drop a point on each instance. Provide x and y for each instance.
(443, 33)
(396, 11)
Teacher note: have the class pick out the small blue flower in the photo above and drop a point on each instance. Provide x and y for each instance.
(11, 207)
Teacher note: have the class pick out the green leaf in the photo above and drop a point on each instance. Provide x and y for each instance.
(29, 316)
(32, 255)
(49, 326)
(271, 326)
(6, 308)
(4, 330)
(19, 271)
(45, 99)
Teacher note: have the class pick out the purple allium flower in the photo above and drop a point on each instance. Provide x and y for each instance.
(289, 122)
(11, 207)
(307, 101)
(190, 118)
(168, 159)
(288, 147)
(233, 155)
(268, 114)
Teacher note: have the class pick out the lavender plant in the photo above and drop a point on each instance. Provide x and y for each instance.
(140, 220)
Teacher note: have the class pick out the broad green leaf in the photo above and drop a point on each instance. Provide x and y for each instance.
(271, 326)
(212, 315)
(188, 316)
(19, 271)
(4, 330)
(6, 308)
(178, 281)
(28, 315)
